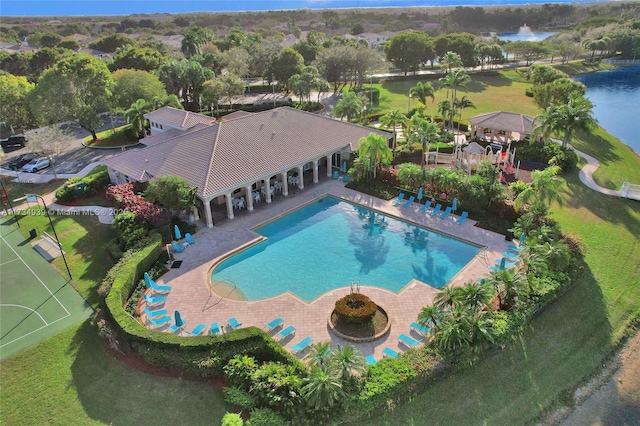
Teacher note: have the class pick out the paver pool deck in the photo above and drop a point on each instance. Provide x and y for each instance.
(191, 294)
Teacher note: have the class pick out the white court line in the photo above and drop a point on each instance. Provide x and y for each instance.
(28, 308)
(44, 285)
(5, 263)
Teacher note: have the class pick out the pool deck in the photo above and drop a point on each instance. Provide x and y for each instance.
(197, 304)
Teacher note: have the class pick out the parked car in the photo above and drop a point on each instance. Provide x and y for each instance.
(16, 163)
(12, 141)
(36, 164)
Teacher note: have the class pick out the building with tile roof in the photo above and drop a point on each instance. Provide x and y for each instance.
(168, 118)
(507, 123)
(239, 157)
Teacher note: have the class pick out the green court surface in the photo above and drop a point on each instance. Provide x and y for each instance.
(36, 302)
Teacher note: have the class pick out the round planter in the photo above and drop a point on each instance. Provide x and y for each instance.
(361, 339)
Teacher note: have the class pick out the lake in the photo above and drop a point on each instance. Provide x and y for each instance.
(526, 35)
(616, 98)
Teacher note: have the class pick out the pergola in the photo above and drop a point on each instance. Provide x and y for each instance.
(509, 123)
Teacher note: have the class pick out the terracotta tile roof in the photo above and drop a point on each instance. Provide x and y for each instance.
(170, 134)
(500, 120)
(235, 153)
(235, 114)
(178, 118)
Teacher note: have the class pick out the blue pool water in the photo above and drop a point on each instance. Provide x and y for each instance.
(329, 243)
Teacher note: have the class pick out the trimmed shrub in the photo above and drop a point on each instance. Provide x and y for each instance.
(355, 308)
(97, 180)
(232, 419)
(266, 417)
(239, 398)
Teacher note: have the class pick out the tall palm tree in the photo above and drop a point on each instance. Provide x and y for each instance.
(346, 360)
(449, 61)
(444, 108)
(422, 132)
(509, 285)
(462, 104)
(455, 78)
(322, 390)
(169, 100)
(575, 115)
(375, 150)
(547, 123)
(192, 41)
(135, 116)
(544, 188)
(391, 120)
(422, 91)
(349, 106)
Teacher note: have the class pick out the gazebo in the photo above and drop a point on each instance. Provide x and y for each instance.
(509, 123)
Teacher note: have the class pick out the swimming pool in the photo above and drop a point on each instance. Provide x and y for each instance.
(329, 243)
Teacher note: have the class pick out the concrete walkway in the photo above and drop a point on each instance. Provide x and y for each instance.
(586, 175)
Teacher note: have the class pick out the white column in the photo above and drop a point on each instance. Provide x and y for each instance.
(267, 190)
(300, 177)
(228, 197)
(207, 213)
(249, 197)
(315, 171)
(285, 184)
(328, 166)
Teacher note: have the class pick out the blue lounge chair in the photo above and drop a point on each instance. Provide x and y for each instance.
(233, 323)
(155, 313)
(390, 352)
(445, 214)
(510, 255)
(335, 174)
(409, 201)
(398, 199)
(158, 322)
(175, 327)
(420, 328)
(283, 334)
(301, 345)
(273, 324)
(177, 248)
(215, 328)
(436, 209)
(159, 288)
(155, 300)
(409, 341)
(198, 329)
(462, 218)
(189, 238)
(346, 179)
(425, 207)
(371, 360)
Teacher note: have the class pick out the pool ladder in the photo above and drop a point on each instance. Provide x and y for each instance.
(355, 286)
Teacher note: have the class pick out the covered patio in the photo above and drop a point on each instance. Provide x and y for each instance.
(502, 127)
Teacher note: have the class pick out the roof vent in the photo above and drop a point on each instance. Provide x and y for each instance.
(146, 160)
(273, 135)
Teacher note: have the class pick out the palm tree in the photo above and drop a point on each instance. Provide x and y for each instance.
(349, 106)
(547, 123)
(430, 316)
(319, 354)
(543, 190)
(375, 150)
(192, 41)
(575, 115)
(444, 107)
(509, 285)
(447, 297)
(454, 79)
(346, 360)
(476, 295)
(391, 120)
(322, 390)
(135, 116)
(449, 61)
(169, 100)
(461, 104)
(422, 132)
(422, 91)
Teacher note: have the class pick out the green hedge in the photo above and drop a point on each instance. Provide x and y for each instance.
(98, 179)
(202, 355)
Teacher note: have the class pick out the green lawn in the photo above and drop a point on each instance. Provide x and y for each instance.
(71, 380)
(110, 138)
(565, 344)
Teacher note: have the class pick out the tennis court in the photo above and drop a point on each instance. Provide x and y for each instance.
(36, 302)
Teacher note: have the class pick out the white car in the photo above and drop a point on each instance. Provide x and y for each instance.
(36, 164)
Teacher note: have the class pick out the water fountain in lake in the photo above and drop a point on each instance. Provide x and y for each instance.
(525, 33)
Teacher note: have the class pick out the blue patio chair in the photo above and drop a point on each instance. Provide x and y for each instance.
(177, 248)
(398, 199)
(425, 207)
(301, 345)
(409, 341)
(159, 322)
(233, 323)
(198, 329)
(462, 218)
(273, 324)
(346, 179)
(419, 328)
(445, 214)
(159, 288)
(290, 330)
(336, 174)
(189, 238)
(436, 209)
(409, 201)
(371, 360)
(510, 255)
(155, 300)
(155, 313)
(215, 328)
(390, 352)
(175, 327)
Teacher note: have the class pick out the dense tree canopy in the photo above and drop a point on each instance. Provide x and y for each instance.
(15, 109)
(131, 85)
(407, 51)
(139, 58)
